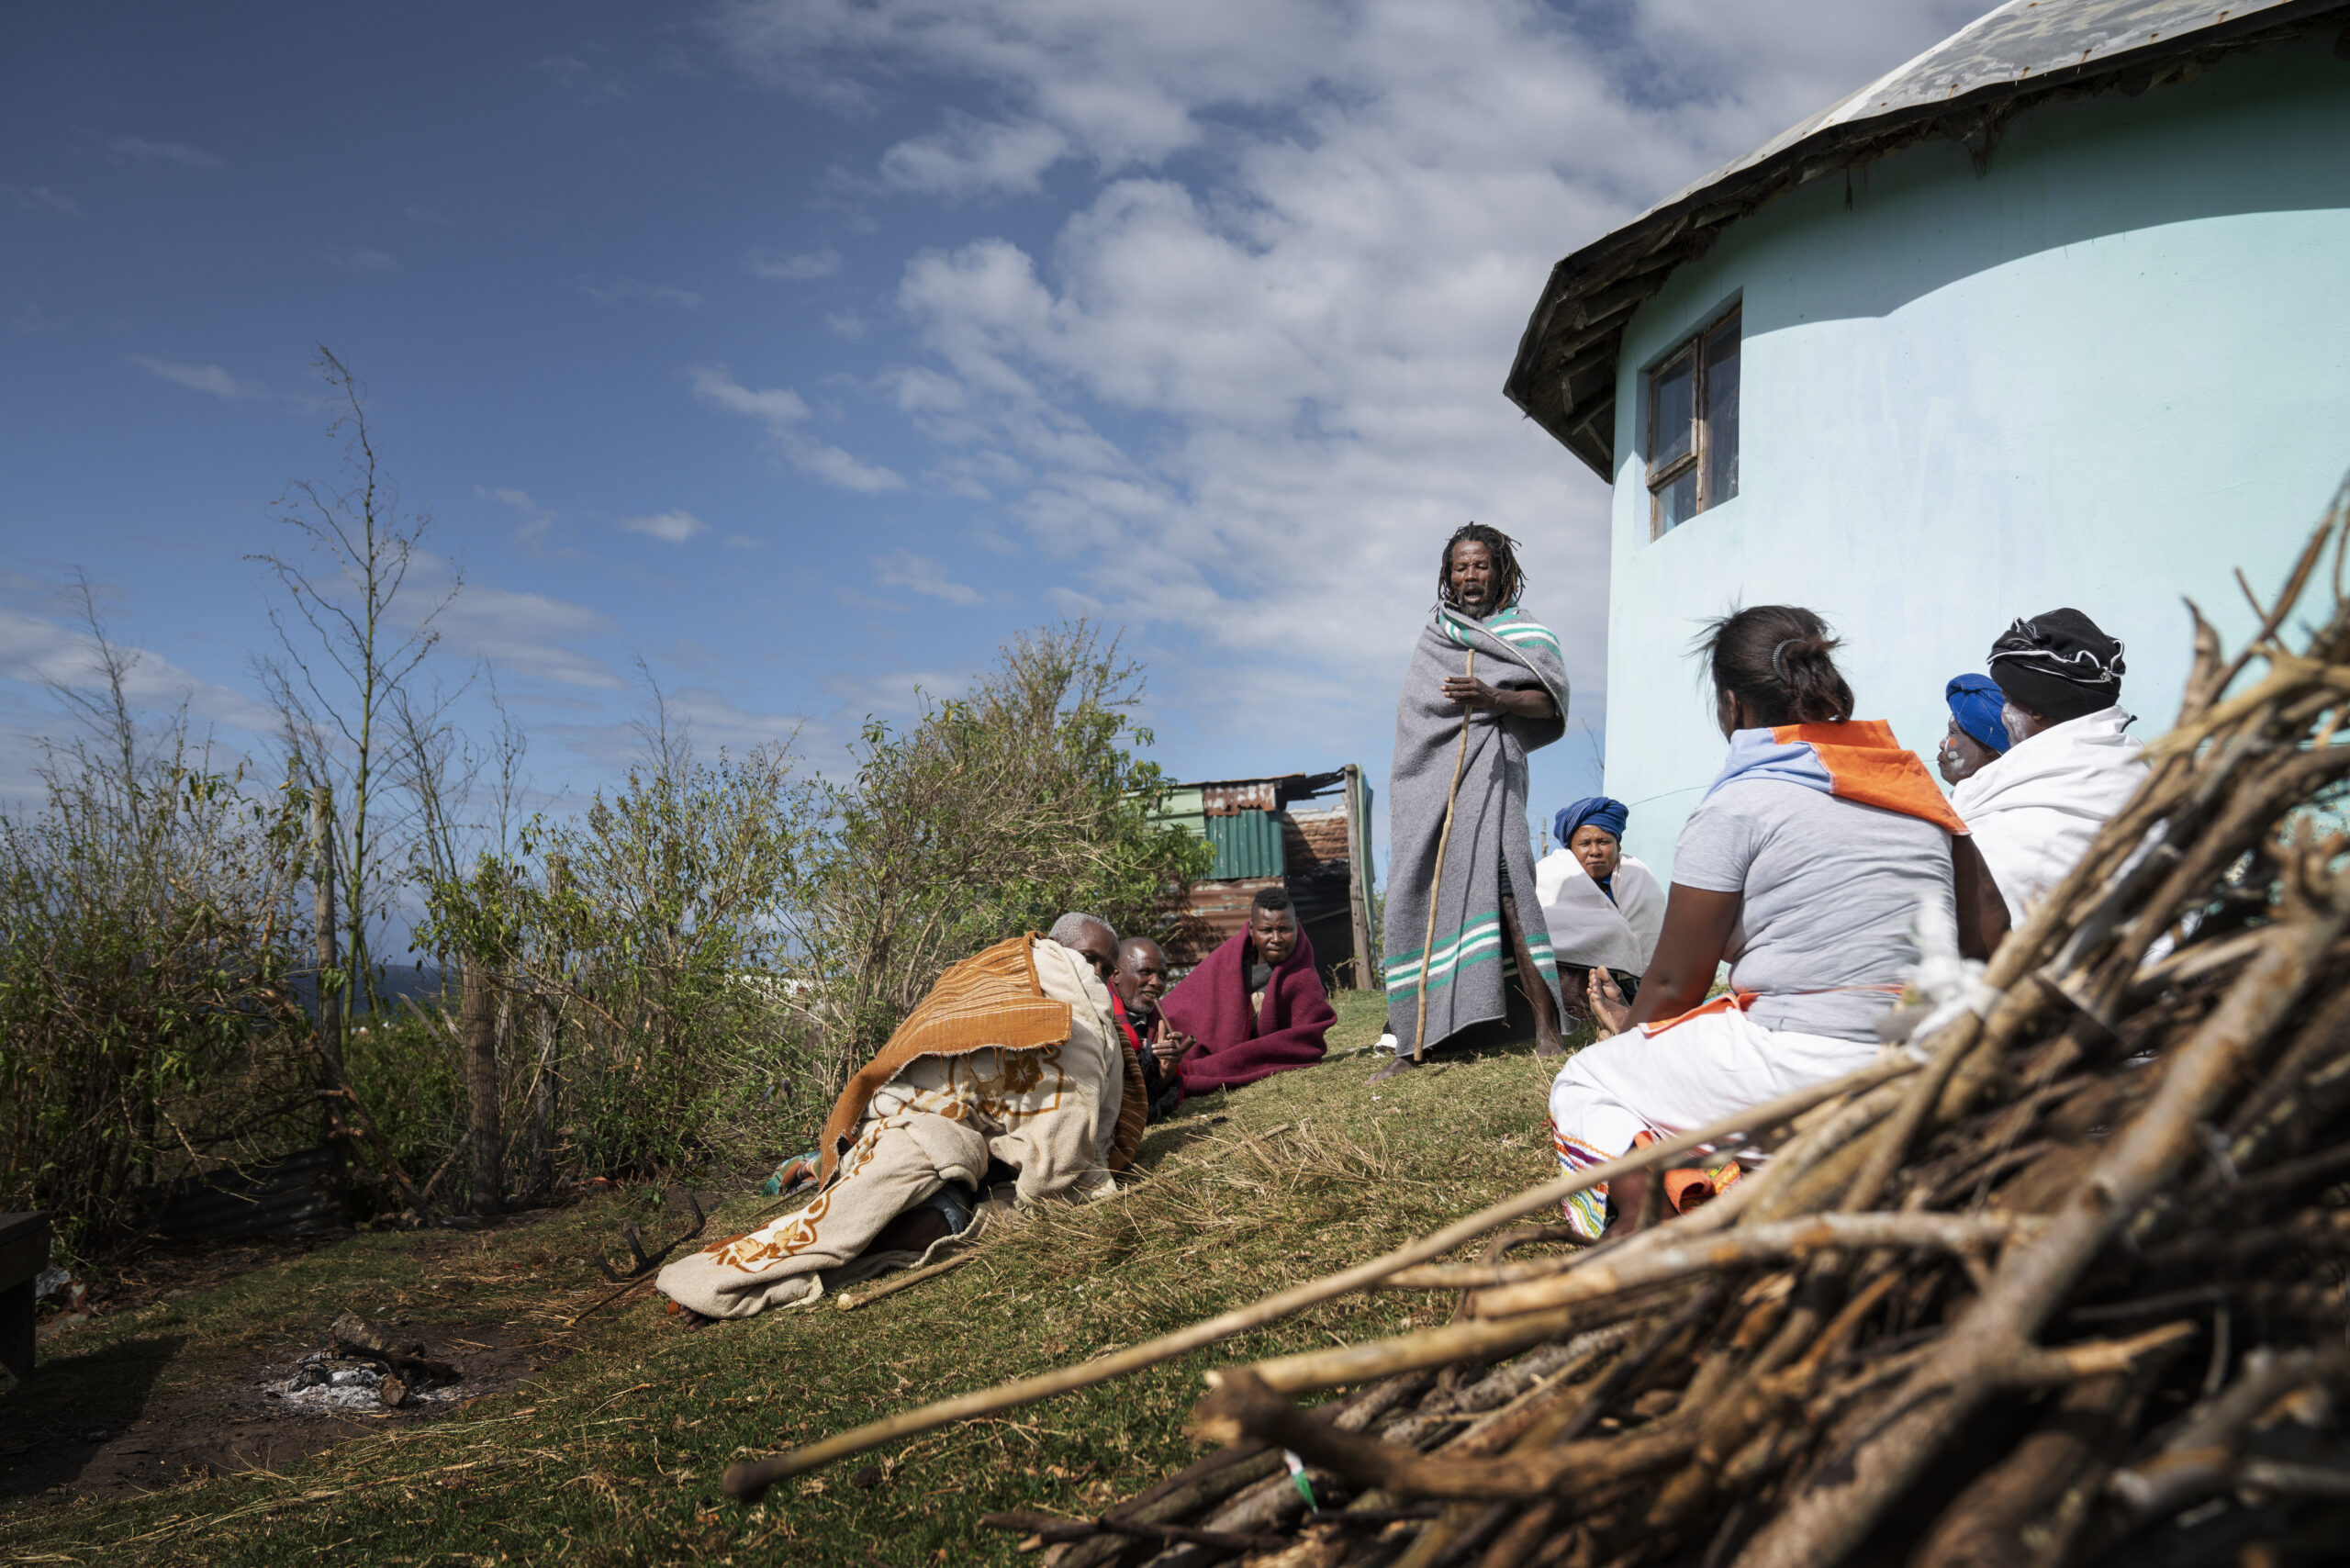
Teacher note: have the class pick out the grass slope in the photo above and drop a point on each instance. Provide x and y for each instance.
(612, 1454)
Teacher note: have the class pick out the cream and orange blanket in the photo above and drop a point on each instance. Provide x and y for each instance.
(1013, 1056)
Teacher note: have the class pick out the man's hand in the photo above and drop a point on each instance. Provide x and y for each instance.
(1469, 693)
(1607, 1004)
(1527, 703)
(1169, 1046)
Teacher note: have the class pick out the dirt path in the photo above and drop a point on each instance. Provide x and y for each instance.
(181, 1372)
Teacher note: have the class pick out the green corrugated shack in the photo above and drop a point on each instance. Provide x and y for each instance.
(1307, 832)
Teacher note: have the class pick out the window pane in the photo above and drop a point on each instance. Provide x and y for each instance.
(1676, 503)
(1721, 414)
(1674, 412)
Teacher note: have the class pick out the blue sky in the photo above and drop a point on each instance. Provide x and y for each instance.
(800, 351)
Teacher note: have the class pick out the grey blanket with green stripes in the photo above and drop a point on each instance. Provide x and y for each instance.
(1464, 965)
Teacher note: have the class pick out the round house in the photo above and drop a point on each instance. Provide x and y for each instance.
(2057, 313)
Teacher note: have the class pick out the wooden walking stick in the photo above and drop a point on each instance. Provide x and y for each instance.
(1435, 889)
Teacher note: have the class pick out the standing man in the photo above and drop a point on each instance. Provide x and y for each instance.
(1486, 686)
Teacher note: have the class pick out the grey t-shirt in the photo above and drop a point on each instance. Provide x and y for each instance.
(1831, 894)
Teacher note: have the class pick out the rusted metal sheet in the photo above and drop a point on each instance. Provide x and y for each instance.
(1320, 832)
(1212, 914)
(1229, 800)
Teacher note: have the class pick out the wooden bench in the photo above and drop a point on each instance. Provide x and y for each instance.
(24, 1253)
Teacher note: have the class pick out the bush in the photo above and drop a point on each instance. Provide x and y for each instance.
(995, 813)
(683, 975)
(144, 1010)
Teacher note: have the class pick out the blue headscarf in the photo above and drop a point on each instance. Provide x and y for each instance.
(1592, 811)
(1975, 701)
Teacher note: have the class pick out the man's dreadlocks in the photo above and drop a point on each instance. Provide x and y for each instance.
(1509, 578)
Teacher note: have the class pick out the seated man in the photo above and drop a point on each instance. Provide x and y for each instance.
(1133, 996)
(1012, 1062)
(2034, 812)
(1256, 1003)
(1977, 737)
(1603, 907)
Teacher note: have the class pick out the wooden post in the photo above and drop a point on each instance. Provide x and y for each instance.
(477, 1026)
(544, 1098)
(1358, 879)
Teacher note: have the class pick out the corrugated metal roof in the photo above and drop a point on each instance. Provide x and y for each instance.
(2025, 51)
(1248, 844)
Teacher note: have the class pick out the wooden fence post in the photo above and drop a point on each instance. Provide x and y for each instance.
(1359, 880)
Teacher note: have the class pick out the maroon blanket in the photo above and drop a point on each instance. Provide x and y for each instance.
(1235, 1048)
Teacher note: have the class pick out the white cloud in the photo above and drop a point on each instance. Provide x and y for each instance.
(778, 266)
(360, 259)
(784, 411)
(669, 527)
(42, 196)
(845, 323)
(709, 719)
(1248, 391)
(43, 652)
(522, 634)
(612, 291)
(902, 568)
(538, 521)
(208, 379)
(971, 156)
(146, 151)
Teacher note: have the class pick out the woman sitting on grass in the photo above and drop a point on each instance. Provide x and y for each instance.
(1805, 867)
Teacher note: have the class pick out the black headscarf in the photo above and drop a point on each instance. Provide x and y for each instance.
(2058, 666)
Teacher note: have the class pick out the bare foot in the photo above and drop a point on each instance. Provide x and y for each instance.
(1553, 1046)
(689, 1320)
(1402, 1064)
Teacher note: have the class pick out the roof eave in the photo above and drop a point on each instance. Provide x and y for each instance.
(1565, 371)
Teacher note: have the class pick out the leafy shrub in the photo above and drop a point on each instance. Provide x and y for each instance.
(144, 1010)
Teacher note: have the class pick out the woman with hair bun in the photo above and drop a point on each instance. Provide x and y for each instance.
(1804, 866)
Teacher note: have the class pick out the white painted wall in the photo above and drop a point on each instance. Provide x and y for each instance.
(2102, 375)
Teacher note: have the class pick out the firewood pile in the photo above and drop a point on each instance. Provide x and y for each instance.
(2059, 1281)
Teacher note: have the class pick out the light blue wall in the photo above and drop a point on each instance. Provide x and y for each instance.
(2101, 375)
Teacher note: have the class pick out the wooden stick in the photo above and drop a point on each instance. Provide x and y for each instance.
(1443, 837)
(1476, 1340)
(851, 1302)
(1792, 1241)
(1824, 1522)
(2094, 1358)
(1052, 1528)
(746, 1481)
(1243, 1407)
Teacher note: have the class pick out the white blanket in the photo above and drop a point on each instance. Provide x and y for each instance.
(1586, 928)
(2035, 810)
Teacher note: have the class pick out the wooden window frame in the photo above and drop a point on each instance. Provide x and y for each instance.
(1693, 347)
